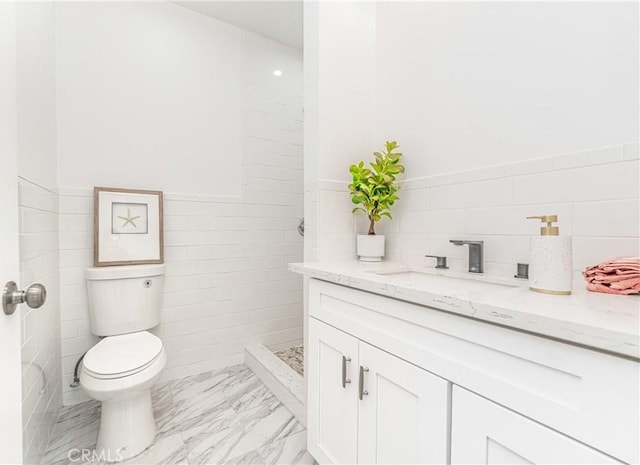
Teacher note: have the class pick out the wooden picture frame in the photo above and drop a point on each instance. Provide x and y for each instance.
(128, 227)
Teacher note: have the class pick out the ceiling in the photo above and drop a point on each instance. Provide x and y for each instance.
(278, 20)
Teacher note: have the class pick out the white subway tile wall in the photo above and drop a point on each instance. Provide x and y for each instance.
(41, 397)
(594, 193)
(226, 281)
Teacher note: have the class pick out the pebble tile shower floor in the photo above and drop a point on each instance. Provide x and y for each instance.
(220, 417)
(294, 357)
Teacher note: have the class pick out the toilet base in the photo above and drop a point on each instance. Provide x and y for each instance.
(127, 427)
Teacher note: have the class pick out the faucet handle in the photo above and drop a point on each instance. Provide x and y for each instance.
(441, 262)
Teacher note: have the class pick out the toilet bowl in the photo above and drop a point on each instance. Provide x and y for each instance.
(119, 371)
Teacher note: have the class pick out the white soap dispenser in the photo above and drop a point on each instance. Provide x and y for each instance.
(550, 266)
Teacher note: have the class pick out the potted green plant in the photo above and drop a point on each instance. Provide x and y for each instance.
(373, 190)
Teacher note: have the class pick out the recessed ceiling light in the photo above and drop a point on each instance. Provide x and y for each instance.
(277, 72)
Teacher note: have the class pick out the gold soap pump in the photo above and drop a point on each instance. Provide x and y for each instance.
(550, 267)
(549, 229)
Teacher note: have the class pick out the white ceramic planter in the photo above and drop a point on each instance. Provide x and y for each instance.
(370, 248)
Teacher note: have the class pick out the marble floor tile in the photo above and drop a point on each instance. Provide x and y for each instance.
(220, 417)
(252, 395)
(75, 431)
(245, 432)
(213, 446)
(251, 458)
(256, 428)
(166, 451)
(291, 450)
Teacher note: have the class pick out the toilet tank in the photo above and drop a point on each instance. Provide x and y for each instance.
(124, 299)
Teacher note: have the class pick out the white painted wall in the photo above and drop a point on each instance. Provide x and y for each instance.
(468, 85)
(227, 283)
(38, 206)
(37, 93)
(339, 113)
(346, 91)
(277, 20)
(339, 86)
(148, 97)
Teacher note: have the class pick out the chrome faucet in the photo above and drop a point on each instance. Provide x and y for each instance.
(476, 255)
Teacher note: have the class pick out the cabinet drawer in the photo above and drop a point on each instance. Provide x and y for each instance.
(583, 393)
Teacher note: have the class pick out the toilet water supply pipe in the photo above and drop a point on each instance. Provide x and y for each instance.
(76, 380)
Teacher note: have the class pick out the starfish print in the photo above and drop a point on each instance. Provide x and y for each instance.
(129, 219)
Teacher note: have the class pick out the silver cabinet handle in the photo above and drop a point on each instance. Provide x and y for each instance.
(361, 390)
(345, 380)
(34, 296)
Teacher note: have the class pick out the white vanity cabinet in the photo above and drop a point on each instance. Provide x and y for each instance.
(367, 406)
(444, 388)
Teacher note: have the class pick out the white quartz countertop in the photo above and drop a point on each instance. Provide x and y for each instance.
(601, 321)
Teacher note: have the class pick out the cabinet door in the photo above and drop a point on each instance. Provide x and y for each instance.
(332, 421)
(486, 433)
(403, 414)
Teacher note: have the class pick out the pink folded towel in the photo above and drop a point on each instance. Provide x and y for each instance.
(626, 284)
(614, 276)
(607, 290)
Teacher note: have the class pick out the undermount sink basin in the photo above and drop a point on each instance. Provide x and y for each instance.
(420, 280)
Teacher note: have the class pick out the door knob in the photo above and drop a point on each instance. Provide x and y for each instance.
(34, 296)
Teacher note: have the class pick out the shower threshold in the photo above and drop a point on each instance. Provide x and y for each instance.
(281, 372)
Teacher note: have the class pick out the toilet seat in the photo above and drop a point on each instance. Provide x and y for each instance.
(123, 355)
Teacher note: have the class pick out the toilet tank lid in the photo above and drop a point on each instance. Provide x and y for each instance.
(121, 272)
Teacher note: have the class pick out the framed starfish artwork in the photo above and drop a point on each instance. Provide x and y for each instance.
(128, 227)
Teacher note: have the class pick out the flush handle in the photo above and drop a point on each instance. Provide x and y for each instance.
(34, 296)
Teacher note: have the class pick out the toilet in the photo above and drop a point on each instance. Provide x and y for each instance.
(119, 371)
